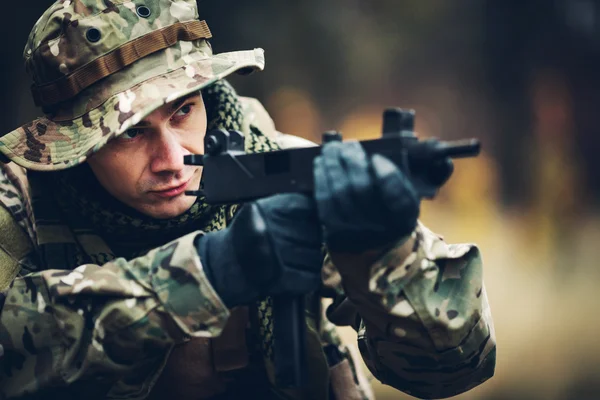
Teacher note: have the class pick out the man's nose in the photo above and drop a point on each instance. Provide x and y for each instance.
(167, 152)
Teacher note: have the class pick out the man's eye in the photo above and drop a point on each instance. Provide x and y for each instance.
(186, 109)
(131, 133)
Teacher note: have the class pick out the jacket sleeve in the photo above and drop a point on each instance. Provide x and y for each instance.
(423, 319)
(57, 327)
(421, 312)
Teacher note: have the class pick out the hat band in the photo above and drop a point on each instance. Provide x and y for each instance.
(69, 86)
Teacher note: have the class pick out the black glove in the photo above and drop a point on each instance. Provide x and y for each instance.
(439, 172)
(364, 203)
(273, 246)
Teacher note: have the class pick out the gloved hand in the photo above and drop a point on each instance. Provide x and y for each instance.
(273, 246)
(365, 202)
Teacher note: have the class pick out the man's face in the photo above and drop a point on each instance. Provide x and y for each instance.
(144, 168)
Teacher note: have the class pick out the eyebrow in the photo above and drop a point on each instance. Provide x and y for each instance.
(174, 106)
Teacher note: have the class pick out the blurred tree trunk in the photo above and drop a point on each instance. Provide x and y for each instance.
(528, 37)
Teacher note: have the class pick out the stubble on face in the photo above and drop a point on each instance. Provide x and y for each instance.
(164, 208)
(141, 168)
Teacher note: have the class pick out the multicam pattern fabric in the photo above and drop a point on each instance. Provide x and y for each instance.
(14, 199)
(424, 322)
(59, 327)
(16, 225)
(119, 317)
(81, 126)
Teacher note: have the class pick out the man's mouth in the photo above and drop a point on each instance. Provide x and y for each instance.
(171, 191)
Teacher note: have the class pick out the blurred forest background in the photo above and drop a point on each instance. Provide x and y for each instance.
(521, 75)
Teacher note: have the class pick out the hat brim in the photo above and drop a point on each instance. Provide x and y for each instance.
(48, 145)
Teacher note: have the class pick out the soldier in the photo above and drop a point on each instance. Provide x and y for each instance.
(116, 285)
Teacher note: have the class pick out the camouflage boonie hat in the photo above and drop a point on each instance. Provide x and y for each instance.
(101, 66)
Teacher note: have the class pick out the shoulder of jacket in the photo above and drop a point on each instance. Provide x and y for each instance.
(17, 177)
(15, 247)
(15, 237)
(15, 196)
(255, 114)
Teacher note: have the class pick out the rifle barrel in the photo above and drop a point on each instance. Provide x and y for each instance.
(460, 148)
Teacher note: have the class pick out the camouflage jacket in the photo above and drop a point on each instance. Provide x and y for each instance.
(421, 313)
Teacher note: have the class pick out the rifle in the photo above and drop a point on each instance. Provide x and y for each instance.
(232, 176)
